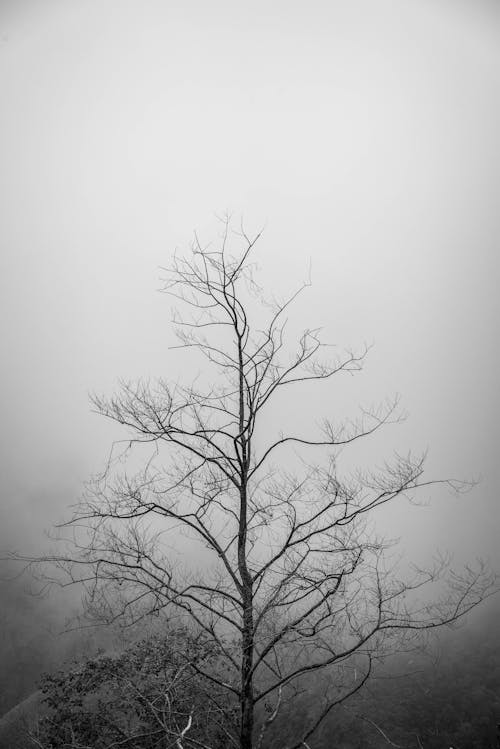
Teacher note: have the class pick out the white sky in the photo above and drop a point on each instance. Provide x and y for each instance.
(363, 134)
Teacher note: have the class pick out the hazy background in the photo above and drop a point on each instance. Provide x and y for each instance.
(365, 137)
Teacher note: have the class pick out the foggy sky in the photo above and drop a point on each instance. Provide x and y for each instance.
(363, 135)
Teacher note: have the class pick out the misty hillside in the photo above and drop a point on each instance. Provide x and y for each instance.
(15, 724)
(448, 697)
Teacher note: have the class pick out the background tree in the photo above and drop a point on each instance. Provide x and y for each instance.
(292, 581)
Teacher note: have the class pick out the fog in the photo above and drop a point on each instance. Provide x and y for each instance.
(363, 138)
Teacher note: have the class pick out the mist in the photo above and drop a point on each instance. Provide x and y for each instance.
(360, 137)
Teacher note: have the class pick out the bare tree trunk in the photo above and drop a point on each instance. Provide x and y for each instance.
(247, 696)
(247, 637)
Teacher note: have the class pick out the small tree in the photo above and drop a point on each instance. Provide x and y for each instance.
(295, 585)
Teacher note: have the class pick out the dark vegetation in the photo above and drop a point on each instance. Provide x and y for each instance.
(146, 696)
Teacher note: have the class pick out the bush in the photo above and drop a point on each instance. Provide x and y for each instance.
(149, 696)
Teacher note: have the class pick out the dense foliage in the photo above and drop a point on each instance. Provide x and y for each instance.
(149, 696)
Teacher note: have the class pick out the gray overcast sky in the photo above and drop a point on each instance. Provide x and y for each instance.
(363, 134)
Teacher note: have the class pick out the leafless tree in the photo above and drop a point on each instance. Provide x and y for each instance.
(293, 583)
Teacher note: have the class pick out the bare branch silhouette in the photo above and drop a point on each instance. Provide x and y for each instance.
(292, 580)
